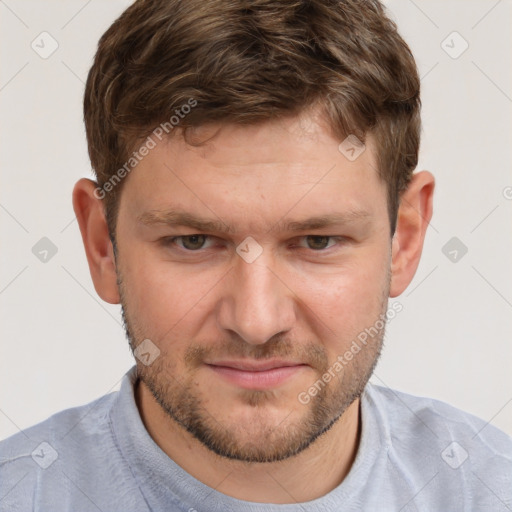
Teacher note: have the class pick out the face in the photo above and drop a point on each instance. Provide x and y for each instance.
(252, 263)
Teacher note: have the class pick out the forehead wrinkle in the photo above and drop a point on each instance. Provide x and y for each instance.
(182, 218)
(323, 221)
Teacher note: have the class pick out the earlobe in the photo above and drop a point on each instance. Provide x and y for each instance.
(414, 215)
(95, 236)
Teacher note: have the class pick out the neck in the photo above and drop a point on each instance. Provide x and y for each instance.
(309, 475)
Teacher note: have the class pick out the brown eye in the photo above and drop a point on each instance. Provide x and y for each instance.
(318, 243)
(192, 242)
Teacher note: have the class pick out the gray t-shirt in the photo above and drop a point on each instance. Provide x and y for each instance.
(415, 454)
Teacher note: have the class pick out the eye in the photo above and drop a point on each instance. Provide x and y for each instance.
(319, 242)
(197, 242)
(190, 242)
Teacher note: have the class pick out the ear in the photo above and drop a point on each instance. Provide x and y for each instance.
(414, 214)
(98, 247)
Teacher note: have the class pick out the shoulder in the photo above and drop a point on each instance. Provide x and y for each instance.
(49, 464)
(419, 414)
(457, 453)
(83, 421)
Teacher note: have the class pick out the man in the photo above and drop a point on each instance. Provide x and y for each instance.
(254, 209)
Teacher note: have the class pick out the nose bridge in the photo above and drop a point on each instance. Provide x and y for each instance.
(257, 305)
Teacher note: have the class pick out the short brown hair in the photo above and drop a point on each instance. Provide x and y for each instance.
(250, 61)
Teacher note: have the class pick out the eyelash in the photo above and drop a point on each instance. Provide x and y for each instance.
(172, 240)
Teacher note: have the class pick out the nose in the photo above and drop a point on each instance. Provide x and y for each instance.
(256, 304)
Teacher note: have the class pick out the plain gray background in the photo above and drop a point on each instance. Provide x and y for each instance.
(62, 346)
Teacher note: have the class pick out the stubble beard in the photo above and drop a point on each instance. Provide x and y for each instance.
(186, 405)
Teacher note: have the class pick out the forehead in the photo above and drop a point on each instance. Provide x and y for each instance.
(264, 170)
(305, 138)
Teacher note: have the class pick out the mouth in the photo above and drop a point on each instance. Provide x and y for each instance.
(257, 374)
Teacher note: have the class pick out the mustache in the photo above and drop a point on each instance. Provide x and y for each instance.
(308, 353)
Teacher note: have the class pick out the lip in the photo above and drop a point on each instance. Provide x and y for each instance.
(257, 374)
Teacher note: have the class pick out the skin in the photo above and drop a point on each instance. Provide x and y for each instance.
(297, 301)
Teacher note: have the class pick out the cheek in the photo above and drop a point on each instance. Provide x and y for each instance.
(362, 277)
(350, 300)
(165, 298)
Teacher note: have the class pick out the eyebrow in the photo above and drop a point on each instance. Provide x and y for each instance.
(182, 218)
